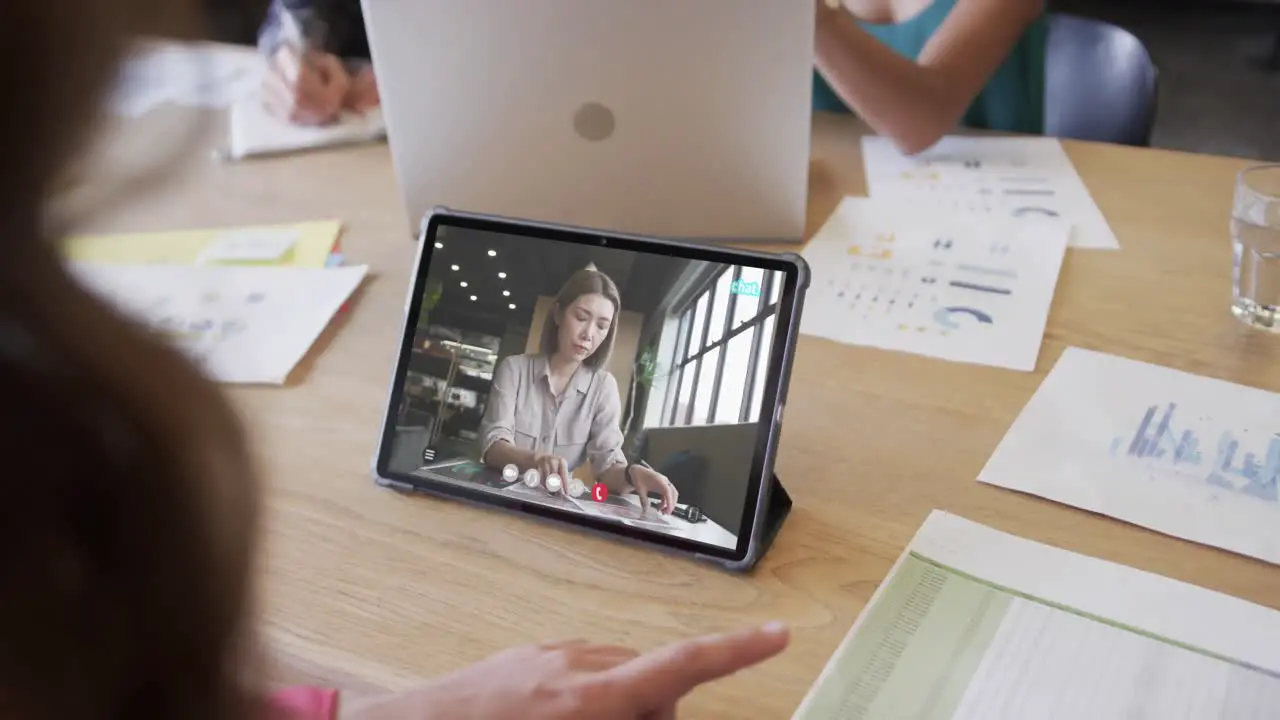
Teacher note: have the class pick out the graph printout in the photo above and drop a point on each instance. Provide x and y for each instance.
(1185, 455)
(996, 177)
(976, 624)
(958, 287)
(241, 324)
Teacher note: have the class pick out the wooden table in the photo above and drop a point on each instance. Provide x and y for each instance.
(368, 587)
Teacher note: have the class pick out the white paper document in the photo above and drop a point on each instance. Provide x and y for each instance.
(959, 287)
(190, 74)
(976, 624)
(1185, 455)
(997, 176)
(254, 131)
(241, 324)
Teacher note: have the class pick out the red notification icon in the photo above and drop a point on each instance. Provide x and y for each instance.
(599, 492)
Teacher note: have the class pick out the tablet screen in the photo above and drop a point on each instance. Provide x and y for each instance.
(619, 384)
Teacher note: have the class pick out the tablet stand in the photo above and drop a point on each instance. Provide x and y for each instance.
(779, 508)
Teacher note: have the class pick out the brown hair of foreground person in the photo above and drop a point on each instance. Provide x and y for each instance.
(127, 521)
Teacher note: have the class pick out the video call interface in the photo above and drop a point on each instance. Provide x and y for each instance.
(542, 370)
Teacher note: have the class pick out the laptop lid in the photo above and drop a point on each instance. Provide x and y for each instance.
(664, 117)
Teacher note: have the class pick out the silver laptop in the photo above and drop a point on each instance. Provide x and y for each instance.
(677, 118)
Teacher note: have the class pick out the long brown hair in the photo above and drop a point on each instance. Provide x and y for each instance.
(129, 515)
(586, 281)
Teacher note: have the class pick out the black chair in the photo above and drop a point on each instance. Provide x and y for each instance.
(1100, 83)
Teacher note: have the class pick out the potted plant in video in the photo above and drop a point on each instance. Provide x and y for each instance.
(430, 297)
(645, 370)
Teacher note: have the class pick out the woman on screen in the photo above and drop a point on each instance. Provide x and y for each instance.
(559, 408)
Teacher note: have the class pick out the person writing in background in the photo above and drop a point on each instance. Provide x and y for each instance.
(130, 588)
(915, 69)
(317, 61)
(556, 409)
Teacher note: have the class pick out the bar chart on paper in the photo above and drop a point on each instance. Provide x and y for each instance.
(1189, 456)
(1239, 461)
(1000, 177)
(939, 643)
(960, 288)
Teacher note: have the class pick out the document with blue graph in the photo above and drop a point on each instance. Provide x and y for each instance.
(976, 624)
(1185, 455)
(959, 287)
(997, 177)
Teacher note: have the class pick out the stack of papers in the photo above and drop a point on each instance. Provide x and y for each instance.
(244, 303)
(190, 74)
(960, 287)
(956, 253)
(999, 177)
(1189, 456)
(973, 623)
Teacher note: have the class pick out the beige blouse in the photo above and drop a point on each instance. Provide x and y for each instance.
(583, 425)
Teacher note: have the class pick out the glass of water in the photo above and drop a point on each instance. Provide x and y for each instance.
(1255, 240)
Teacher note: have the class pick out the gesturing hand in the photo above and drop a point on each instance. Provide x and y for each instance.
(578, 681)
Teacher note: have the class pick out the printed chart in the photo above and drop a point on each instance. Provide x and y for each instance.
(957, 287)
(1181, 454)
(993, 176)
(242, 324)
(975, 624)
(1163, 444)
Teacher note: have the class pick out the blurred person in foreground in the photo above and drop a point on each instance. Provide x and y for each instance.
(128, 535)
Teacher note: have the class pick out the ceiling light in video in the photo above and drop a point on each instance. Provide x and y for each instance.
(502, 276)
(493, 253)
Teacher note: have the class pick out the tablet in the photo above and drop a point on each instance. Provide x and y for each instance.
(626, 385)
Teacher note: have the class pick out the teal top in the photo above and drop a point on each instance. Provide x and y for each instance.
(1013, 99)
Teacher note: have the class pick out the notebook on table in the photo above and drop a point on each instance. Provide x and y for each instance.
(254, 131)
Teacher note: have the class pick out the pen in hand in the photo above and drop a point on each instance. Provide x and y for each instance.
(304, 84)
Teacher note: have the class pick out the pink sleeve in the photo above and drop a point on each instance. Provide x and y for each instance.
(305, 703)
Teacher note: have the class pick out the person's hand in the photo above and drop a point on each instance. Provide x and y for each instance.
(648, 481)
(362, 94)
(577, 681)
(548, 463)
(306, 90)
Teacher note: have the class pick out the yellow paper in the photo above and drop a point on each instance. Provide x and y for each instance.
(315, 241)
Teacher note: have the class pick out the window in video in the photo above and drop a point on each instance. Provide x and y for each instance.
(621, 385)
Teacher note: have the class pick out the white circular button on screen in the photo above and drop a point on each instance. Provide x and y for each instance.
(532, 478)
(553, 483)
(510, 473)
(576, 487)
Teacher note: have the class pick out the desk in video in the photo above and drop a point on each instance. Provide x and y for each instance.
(623, 509)
(541, 353)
